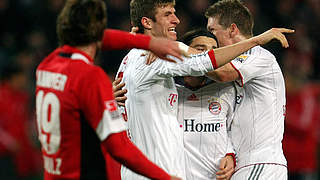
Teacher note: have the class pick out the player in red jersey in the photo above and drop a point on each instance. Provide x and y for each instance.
(76, 110)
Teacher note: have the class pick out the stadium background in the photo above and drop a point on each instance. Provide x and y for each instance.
(27, 35)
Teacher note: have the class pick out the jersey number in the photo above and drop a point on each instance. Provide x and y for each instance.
(48, 120)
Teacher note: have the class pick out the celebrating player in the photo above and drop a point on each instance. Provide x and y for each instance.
(205, 111)
(258, 125)
(152, 97)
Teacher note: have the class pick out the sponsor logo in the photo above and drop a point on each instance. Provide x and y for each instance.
(112, 108)
(193, 97)
(241, 58)
(191, 126)
(111, 105)
(172, 99)
(215, 108)
(214, 105)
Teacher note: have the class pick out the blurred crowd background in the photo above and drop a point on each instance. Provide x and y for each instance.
(28, 34)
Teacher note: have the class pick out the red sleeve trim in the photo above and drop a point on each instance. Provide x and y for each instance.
(240, 75)
(116, 39)
(233, 157)
(213, 59)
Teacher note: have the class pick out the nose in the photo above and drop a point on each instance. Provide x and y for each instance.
(175, 19)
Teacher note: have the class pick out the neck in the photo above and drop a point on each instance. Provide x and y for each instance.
(239, 38)
(148, 32)
(90, 49)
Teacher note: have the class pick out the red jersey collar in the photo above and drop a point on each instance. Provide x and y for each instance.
(76, 53)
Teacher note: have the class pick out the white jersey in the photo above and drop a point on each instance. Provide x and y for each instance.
(205, 115)
(152, 108)
(258, 125)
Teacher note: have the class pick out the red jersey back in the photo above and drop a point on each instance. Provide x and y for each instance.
(76, 110)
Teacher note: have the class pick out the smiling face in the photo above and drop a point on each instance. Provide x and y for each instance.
(165, 23)
(219, 31)
(201, 43)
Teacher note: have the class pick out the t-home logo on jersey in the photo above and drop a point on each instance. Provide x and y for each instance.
(191, 126)
(172, 99)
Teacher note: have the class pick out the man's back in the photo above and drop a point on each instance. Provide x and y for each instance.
(258, 125)
(68, 127)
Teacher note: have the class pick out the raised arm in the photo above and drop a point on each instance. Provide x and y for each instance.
(225, 54)
(116, 39)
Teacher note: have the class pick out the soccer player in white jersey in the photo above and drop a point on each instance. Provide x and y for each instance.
(258, 125)
(152, 96)
(205, 110)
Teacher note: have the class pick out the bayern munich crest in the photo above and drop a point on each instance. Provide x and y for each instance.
(215, 108)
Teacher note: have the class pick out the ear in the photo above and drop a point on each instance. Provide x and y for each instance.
(233, 30)
(146, 23)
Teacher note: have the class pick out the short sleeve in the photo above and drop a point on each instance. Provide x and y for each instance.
(250, 66)
(98, 105)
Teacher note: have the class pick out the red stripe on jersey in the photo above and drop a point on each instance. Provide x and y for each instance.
(213, 59)
(240, 75)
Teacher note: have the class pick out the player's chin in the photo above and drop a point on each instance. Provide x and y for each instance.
(172, 36)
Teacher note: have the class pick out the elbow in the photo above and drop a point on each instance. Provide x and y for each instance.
(116, 154)
(223, 79)
(218, 77)
(115, 145)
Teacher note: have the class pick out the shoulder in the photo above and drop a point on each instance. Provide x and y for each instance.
(259, 51)
(88, 73)
(254, 55)
(134, 53)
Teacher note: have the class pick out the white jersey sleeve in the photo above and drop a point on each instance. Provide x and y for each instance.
(196, 65)
(250, 65)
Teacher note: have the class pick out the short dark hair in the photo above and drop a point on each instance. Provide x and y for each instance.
(81, 22)
(188, 37)
(232, 11)
(145, 8)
